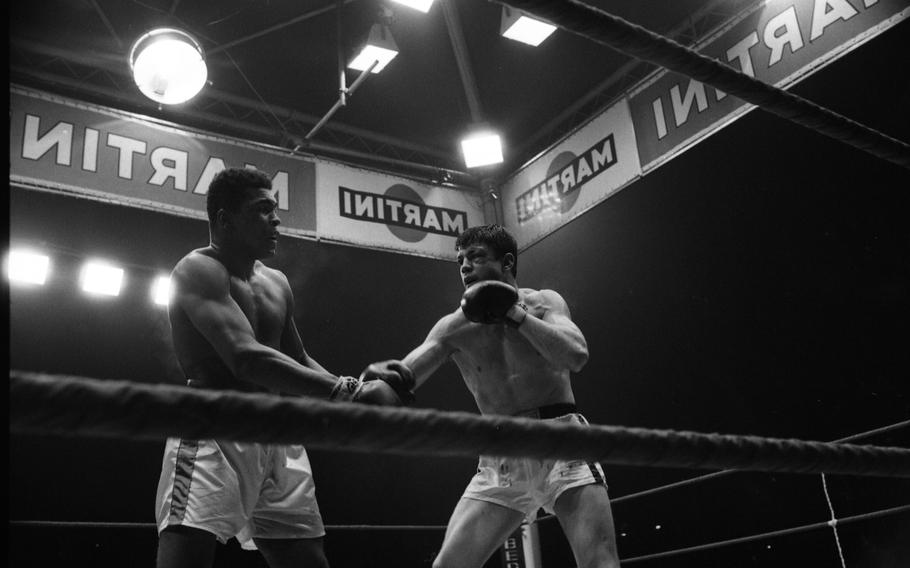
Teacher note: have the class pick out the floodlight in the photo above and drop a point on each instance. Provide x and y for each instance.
(27, 267)
(524, 28)
(481, 148)
(380, 46)
(101, 278)
(168, 66)
(161, 290)
(421, 5)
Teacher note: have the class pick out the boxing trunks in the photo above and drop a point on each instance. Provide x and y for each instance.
(238, 490)
(527, 484)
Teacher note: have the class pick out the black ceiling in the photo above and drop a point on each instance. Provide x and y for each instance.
(273, 68)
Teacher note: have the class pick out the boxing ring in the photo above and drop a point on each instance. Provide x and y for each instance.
(75, 406)
(70, 406)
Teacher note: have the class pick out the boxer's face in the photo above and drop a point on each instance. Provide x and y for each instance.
(478, 262)
(255, 225)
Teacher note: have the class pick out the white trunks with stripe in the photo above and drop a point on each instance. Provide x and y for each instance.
(525, 484)
(238, 490)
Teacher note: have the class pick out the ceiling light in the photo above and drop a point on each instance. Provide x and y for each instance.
(168, 66)
(161, 290)
(422, 5)
(27, 267)
(380, 47)
(521, 27)
(481, 148)
(101, 278)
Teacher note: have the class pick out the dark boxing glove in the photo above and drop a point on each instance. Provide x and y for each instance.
(491, 301)
(394, 373)
(349, 389)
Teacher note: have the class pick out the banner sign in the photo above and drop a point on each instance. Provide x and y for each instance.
(381, 211)
(62, 145)
(778, 43)
(581, 171)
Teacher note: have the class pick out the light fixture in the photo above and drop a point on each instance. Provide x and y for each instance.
(421, 5)
(27, 267)
(482, 147)
(161, 290)
(519, 26)
(168, 66)
(101, 278)
(380, 47)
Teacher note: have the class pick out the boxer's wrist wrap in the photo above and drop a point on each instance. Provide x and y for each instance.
(346, 389)
(516, 315)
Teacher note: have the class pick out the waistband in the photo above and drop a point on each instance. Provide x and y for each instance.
(549, 411)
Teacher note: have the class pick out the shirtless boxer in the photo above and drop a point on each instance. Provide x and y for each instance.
(233, 329)
(515, 348)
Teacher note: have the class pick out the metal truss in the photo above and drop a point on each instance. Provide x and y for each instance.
(99, 78)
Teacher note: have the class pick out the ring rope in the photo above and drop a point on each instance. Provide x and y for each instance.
(75, 406)
(613, 500)
(654, 556)
(772, 534)
(716, 474)
(137, 525)
(640, 43)
(833, 522)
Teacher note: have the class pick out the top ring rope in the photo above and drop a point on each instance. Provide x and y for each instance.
(74, 406)
(640, 43)
(717, 474)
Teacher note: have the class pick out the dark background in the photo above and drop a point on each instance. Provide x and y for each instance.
(759, 284)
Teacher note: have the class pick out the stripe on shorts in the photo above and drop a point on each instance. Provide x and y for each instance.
(183, 475)
(595, 471)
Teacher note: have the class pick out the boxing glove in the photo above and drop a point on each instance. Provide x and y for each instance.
(490, 302)
(349, 389)
(394, 373)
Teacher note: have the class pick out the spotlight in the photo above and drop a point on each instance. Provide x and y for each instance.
(168, 66)
(101, 278)
(481, 148)
(421, 5)
(380, 46)
(521, 27)
(161, 290)
(27, 267)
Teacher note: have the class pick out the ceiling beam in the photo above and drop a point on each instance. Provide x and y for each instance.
(275, 28)
(426, 172)
(459, 46)
(114, 66)
(107, 23)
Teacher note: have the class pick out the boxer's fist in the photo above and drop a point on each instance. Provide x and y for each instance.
(394, 373)
(378, 393)
(491, 301)
(349, 389)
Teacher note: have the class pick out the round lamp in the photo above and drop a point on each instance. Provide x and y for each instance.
(168, 66)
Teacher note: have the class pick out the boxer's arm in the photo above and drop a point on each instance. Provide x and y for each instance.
(407, 374)
(433, 352)
(554, 335)
(202, 292)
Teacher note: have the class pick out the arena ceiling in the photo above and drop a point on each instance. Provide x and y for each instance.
(273, 71)
(774, 218)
